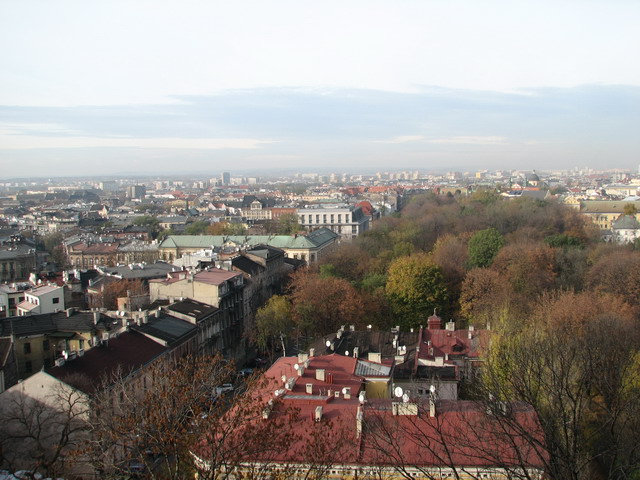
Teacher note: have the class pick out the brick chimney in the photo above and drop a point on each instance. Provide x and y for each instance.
(434, 322)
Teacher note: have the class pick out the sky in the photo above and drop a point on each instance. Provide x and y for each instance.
(172, 87)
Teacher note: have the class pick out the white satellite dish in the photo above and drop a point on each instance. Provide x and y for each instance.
(405, 398)
(328, 343)
(361, 397)
(346, 353)
(432, 389)
(398, 392)
(344, 391)
(296, 367)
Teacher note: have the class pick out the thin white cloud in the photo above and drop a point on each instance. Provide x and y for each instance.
(22, 142)
(402, 139)
(470, 140)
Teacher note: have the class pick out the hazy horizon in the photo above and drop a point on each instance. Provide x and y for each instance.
(182, 87)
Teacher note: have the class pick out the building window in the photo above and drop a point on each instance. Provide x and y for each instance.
(27, 347)
(45, 345)
(56, 300)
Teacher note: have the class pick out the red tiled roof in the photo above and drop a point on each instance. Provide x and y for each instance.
(461, 434)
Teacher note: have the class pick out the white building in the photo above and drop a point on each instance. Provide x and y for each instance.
(626, 229)
(42, 299)
(346, 221)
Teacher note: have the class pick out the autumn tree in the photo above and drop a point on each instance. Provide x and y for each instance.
(451, 255)
(414, 288)
(155, 418)
(116, 288)
(274, 323)
(528, 267)
(575, 362)
(618, 272)
(322, 305)
(484, 294)
(484, 246)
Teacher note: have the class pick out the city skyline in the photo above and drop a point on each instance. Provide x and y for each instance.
(183, 88)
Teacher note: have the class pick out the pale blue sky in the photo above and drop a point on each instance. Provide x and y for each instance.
(127, 86)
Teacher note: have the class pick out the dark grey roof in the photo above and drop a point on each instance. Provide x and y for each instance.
(28, 325)
(167, 328)
(193, 308)
(247, 266)
(47, 323)
(626, 222)
(141, 271)
(265, 251)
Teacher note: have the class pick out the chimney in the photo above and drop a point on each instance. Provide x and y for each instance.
(434, 322)
(346, 392)
(432, 406)
(302, 357)
(318, 413)
(451, 326)
(355, 352)
(320, 374)
(471, 329)
(352, 328)
(96, 317)
(145, 317)
(300, 370)
(359, 418)
(312, 352)
(309, 388)
(375, 357)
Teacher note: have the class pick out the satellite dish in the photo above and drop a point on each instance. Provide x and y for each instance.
(398, 391)
(284, 379)
(65, 354)
(432, 389)
(405, 398)
(328, 343)
(346, 353)
(296, 367)
(361, 397)
(344, 391)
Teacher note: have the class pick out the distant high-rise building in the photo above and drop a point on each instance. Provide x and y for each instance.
(226, 178)
(136, 191)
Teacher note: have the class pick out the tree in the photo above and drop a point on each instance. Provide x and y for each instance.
(156, 418)
(630, 209)
(196, 228)
(528, 267)
(322, 305)
(575, 362)
(41, 435)
(274, 322)
(484, 246)
(414, 288)
(484, 293)
(617, 272)
(288, 224)
(116, 288)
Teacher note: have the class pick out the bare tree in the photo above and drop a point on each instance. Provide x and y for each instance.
(41, 435)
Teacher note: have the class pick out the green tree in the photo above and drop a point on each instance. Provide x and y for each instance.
(414, 288)
(630, 209)
(288, 224)
(484, 246)
(196, 228)
(274, 322)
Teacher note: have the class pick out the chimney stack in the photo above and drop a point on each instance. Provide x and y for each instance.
(96, 317)
(312, 352)
(318, 413)
(320, 374)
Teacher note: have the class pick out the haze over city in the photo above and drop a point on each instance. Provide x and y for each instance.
(96, 88)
